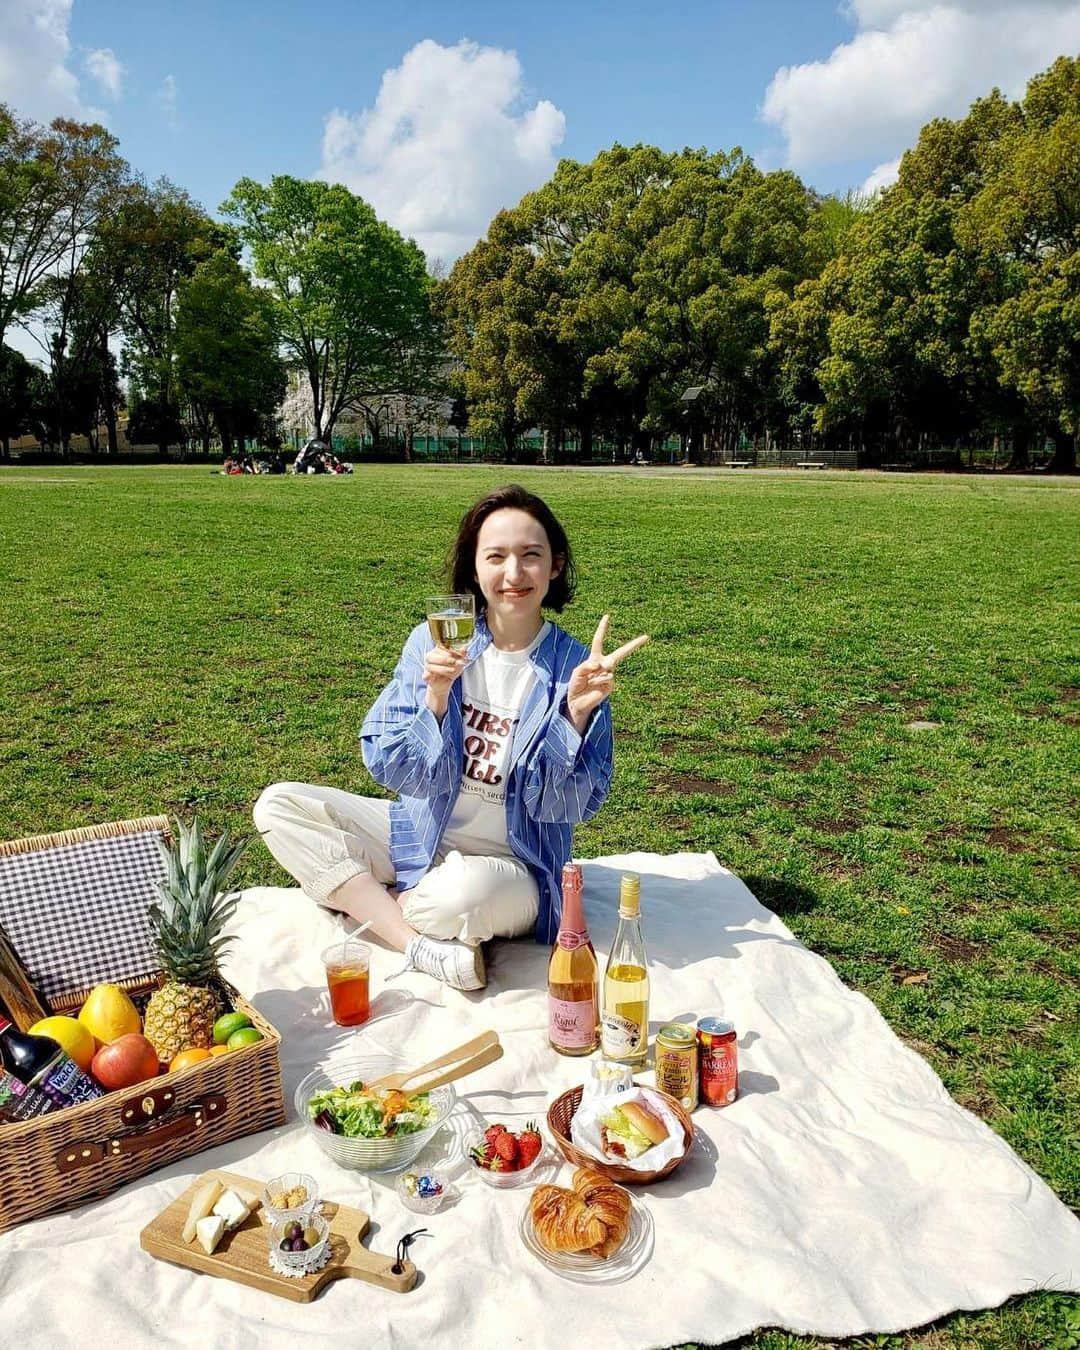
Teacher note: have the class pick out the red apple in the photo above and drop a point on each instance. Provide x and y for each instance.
(124, 1062)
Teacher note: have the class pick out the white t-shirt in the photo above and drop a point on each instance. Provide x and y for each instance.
(493, 691)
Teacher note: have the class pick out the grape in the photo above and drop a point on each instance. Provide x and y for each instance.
(285, 1245)
(298, 1245)
(293, 1230)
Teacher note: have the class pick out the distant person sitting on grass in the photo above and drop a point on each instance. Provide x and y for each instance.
(496, 753)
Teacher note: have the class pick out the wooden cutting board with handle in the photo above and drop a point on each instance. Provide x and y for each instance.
(243, 1255)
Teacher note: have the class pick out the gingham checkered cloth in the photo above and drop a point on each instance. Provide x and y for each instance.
(76, 914)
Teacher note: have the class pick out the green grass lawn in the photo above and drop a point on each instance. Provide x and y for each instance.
(862, 693)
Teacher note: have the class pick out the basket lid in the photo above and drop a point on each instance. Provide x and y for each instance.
(74, 904)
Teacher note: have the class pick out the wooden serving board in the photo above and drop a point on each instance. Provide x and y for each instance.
(243, 1255)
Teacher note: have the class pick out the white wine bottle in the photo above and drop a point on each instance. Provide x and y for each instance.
(624, 1024)
(572, 975)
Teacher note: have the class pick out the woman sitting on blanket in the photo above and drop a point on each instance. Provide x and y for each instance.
(495, 754)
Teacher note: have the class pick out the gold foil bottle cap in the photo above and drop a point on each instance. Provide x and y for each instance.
(630, 896)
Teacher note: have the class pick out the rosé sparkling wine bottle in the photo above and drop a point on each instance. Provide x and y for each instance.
(573, 976)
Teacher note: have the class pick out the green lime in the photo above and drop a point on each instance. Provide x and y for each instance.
(245, 1036)
(227, 1023)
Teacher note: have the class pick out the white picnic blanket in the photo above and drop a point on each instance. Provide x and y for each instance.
(843, 1193)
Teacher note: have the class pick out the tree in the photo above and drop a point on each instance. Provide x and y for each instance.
(350, 294)
(21, 396)
(155, 241)
(1025, 220)
(227, 361)
(601, 296)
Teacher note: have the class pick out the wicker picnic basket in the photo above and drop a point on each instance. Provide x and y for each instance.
(561, 1112)
(73, 906)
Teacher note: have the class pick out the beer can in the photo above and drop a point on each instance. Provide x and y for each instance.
(677, 1063)
(719, 1061)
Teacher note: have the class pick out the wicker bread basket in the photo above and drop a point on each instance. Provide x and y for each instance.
(65, 1158)
(561, 1113)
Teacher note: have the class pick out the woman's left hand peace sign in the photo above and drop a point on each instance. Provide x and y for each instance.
(593, 680)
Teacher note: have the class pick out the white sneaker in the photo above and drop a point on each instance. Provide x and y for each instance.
(455, 963)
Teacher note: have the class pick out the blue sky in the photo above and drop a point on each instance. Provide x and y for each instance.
(440, 113)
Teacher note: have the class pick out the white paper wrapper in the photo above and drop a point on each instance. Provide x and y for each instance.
(585, 1129)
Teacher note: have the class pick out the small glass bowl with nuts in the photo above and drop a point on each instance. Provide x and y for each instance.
(290, 1198)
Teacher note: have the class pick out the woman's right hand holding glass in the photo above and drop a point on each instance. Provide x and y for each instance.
(441, 668)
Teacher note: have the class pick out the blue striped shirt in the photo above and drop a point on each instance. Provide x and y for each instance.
(556, 777)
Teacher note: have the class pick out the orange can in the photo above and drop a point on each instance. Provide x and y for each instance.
(719, 1061)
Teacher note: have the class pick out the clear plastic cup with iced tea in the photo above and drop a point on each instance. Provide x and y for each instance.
(348, 966)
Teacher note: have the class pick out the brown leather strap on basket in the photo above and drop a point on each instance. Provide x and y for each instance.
(88, 1151)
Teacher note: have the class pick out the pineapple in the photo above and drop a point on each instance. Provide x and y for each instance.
(188, 940)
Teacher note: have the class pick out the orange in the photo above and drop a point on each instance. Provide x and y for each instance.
(186, 1058)
(219, 1050)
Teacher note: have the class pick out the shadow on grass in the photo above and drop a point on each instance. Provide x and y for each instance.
(782, 897)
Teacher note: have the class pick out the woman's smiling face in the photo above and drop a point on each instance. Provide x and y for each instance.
(514, 566)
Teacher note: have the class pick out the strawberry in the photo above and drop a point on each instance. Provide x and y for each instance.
(493, 1131)
(485, 1156)
(529, 1145)
(506, 1146)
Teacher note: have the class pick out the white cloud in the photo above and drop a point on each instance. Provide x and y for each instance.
(913, 60)
(167, 94)
(34, 49)
(104, 66)
(881, 177)
(445, 145)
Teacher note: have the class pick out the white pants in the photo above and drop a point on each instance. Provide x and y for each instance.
(324, 837)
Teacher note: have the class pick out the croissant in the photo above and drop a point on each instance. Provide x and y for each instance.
(563, 1221)
(610, 1204)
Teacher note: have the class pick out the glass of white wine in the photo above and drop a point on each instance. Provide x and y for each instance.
(452, 620)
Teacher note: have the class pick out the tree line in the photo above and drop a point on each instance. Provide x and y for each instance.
(638, 295)
(944, 311)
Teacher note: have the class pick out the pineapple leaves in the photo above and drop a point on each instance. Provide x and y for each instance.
(195, 907)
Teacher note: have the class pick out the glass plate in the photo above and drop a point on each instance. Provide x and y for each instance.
(585, 1269)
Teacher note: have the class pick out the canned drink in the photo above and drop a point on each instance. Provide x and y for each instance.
(677, 1063)
(719, 1061)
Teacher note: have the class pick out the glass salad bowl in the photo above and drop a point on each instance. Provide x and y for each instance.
(360, 1150)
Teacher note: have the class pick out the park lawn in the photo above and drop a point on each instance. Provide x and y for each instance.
(861, 694)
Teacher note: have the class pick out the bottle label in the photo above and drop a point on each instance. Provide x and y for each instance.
(65, 1083)
(621, 1037)
(19, 1102)
(571, 941)
(571, 1025)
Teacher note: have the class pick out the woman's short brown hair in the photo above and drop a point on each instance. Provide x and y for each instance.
(461, 565)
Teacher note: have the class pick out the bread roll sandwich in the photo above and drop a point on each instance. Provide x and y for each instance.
(630, 1130)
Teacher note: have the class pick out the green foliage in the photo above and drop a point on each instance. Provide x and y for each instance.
(350, 295)
(596, 300)
(22, 394)
(954, 306)
(227, 361)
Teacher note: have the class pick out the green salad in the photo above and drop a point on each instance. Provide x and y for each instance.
(358, 1113)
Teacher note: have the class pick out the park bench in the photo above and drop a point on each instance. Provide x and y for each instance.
(810, 464)
(905, 466)
(739, 463)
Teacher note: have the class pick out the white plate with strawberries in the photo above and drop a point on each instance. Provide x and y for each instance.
(505, 1157)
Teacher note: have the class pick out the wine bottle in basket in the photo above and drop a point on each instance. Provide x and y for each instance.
(39, 1062)
(572, 975)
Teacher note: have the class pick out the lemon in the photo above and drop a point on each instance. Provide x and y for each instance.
(227, 1023)
(108, 1014)
(71, 1036)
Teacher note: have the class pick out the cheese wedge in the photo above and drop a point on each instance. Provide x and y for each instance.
(202, 1203)
(231, 1208)
(209, 1231)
